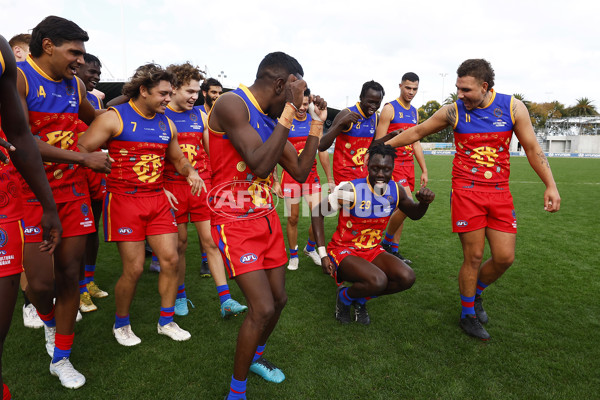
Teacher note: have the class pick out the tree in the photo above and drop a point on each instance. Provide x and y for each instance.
(451, 98)
(583, 108)
(520, 96)
(425, 112)
(540, 112)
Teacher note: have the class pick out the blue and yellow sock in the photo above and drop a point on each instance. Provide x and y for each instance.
(259, 352)
(480, 287)
(237, 389)
(346, 299)
(90, 270)
(121, 321)
(62, 346)
(310, 245)
(294, 253)
(467, 303)
(166, 315)
(48, 319)
(181, 292)
(223, 292)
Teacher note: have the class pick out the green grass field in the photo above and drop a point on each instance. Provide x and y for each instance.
(544, 320)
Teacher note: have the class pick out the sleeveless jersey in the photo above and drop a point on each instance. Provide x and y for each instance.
(139, 151)
(351, 147)
(482, 139)
(237, 192)
(190, 127)
(298, 135)
(404, 118)
(53, 114)
(202, 108)
(362, 224)
(95, 102)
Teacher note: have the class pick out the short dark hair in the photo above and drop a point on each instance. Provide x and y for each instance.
(208, 83)
(371, 85)
(278, 64)
(307, 92)
(21, 38)
(477, 68)
(410, 76)
(148, 75)
(58, 30)
(381, 149)
(91, 59)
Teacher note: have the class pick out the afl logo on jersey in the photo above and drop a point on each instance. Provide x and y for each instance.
(162, 126)
(497, 112)
(194, 117)
(462, 222)
(3, 237)
(32, 230)
(125, 231)
(248, 258)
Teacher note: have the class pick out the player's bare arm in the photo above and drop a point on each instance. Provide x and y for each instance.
(341, 122)
(536, 157)
(415, 210)
(343, 194)
(299, 166)
(420, 157)
(27, 161)
(182, 164)
(438, 121)
(230, 115)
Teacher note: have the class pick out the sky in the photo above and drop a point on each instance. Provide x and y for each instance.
(545, 51)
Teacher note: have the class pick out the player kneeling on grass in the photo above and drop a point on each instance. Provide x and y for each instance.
(354, 254)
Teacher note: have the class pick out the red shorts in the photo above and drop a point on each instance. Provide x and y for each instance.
(96, 183)
(405, 175)
(76, 218)
(196, 206)
(11, 248)
(128, 218)
(292, 189)
(475, 210)
(251, 244)
(338, 253)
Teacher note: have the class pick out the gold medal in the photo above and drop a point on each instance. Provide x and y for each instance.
(241, 166)
(488, 174)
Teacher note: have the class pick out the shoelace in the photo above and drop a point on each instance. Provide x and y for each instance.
(192, 304)
(67, 370)
(267, 364)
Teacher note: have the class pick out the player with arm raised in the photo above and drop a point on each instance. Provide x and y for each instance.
(481, 203)
(354, 253)
(246, 142)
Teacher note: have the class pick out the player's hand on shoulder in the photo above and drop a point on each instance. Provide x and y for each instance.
(98, 161)
(425, 195)
(294, 90)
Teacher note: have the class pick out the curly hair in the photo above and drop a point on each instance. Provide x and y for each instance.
(185, 73)
(478, 68)
(149, 76)
(383, 150)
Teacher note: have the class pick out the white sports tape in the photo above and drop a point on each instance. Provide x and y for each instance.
(313, 114)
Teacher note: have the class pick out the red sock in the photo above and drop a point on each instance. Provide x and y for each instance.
(5, 392)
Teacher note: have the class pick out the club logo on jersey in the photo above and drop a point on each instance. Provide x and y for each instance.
(498, 112)
(462, 222)
(32, 230)
(248, 258)
(85, 209)
(193, 117)
(3, 237)
(70, 90)
(162, 126)
(125, 231)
